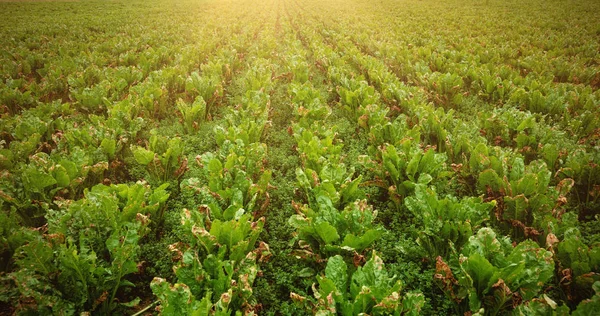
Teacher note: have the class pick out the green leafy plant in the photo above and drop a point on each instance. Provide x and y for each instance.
(526, 195)
(355, 96)
(582, 167)
(32, 188)
(447, 88)
(366, 290)
(316, 148)
(446, 222)
(308, 103)
(578, 265)
(89, 250)
(163, 158)
(408, 165)
(192, 114)
(232, 182)
(491, 276)
(219, 264)
(322, 229)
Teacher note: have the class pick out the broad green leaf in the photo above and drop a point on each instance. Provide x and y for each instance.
(109, 147)
(175, 300)
(37, 256)
(37, 181)
(337, 271)
(61, 175)
(142, 155)
(517, 169)
(550, 154)
(215, 166)
(480, 270)
(413, 166)
(327, 232)
(302, 179)
(362, 242)
(70, 167)
(489, 178)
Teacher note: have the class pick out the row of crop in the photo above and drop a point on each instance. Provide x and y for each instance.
(334, 222)
(218, 256)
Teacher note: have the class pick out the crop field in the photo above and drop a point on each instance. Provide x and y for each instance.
(300, 157)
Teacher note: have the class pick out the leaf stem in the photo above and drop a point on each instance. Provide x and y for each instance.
(145, 309)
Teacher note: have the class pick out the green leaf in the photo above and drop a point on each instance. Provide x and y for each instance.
(363, 302)
(489, 178)
(528, 184)
(297, 221)
(413, 166)
(517, 169)
(486, 244)
(133, 303)
(70, 167)
(390, 161)
(109, 147)
(327, 232)
(159, 195)
(326, 286)
(550, 154)
(175, 300)
(480, 270)
(372, 276)
(350, 191)
(239, 250)
(412, 303)
(215, 166)
(306, 273)
(232, 212)
(428, 162)
(360, 243)
(37, 181)
(337, 272)
(61, 175)
(425, 178)
(302, 179)
(143, 156)
(37, 256)
(205, 307)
